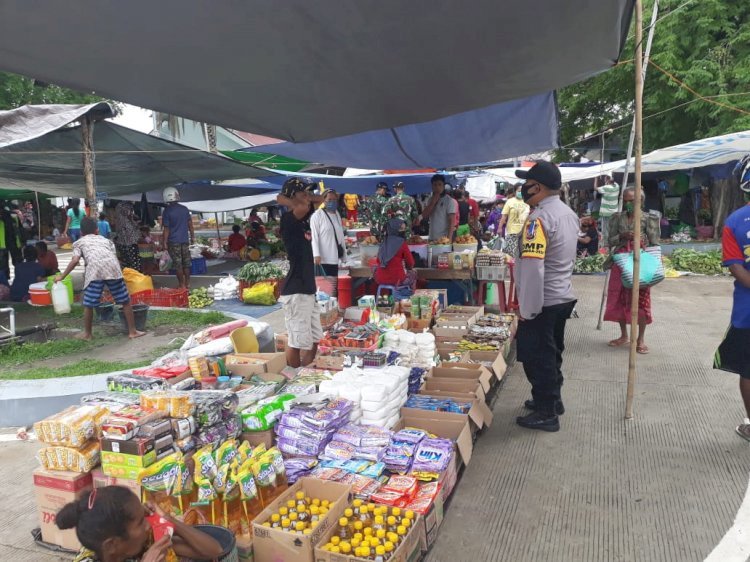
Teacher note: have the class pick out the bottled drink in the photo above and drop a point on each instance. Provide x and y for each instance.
(348, 513)
(389, 548)
(301, 503)
(291, 505)
(275, 521)
(357, 504)
(380, 534)
(378, 524)
(401, 531)
(286, 524)
(364, 516)
(299, 526)
(284, 512)
(344, 531)
(314, 513)
(379, 554)
(392, 524)
(345, 548)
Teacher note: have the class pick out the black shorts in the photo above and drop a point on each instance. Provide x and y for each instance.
(733, 354)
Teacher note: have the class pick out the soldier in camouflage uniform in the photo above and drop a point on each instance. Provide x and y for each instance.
(372, 209)
(401, 206)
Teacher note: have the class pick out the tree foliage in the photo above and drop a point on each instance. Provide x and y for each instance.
(706, 45)
(16, 90)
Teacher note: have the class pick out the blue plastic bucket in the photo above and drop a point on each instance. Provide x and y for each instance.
(227, 541)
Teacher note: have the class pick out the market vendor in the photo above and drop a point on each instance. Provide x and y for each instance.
(301, 316)
(440, 210)
(393, 254)
(178, 235)
(236, 241)
(545, 292)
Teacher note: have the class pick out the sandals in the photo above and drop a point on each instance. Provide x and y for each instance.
(619, 342)
(642, 349)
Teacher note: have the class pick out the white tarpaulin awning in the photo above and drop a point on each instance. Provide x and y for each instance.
(696, 154)
(304, 71)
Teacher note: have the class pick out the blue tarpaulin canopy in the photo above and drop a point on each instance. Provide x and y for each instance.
(365, 185)
(508, 129)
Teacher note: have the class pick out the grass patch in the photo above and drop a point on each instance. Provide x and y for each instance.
(29, 352)
(77, 369)
(190, 318)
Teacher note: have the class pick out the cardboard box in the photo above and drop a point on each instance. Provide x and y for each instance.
(249, 364)
(434, 518)
(122, 471)
(134, 461)
(447, 343)
(445, 353)
(281, 546)
(468, 371)
(281, 341)
(255, 438)
(418, 325)
(456, 320)
(52, 490)
(479, 413)
(332, 362)
(100, 480)
(450, 332)
(136, 446)
(498, 366)
(409, 550)
(456, 429)
(462, 386)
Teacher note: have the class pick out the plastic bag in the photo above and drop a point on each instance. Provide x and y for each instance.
(165, 261)
(260, 293)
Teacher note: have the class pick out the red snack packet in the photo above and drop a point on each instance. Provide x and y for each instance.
(386, 497)
(160, 526)
(404, 485)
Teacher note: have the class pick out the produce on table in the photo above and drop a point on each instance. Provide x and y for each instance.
(199, 298)
(706, 263)
(441, 241)
(254, 272)
(466, 239)
(416, 240)
(369, 241)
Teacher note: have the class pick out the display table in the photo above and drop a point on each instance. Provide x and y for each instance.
(461, 277)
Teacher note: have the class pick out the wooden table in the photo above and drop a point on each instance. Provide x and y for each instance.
(460, 277)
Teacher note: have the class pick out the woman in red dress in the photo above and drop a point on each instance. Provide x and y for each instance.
(393, 255)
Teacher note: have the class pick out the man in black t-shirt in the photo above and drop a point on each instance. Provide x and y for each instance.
(588, 237)
(301, 315)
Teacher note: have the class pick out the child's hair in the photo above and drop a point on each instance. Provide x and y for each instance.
(236, 228)
(41, 247)
(88, 226)
(75, 204)
(102, 217)
(29, 253)
(98, 518)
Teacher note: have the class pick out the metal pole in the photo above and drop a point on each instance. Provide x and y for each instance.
(637, 208)
(38, 215)
(218, 232)
(646, 57)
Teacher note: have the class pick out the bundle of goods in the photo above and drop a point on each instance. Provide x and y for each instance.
(227, 288)
(408, 493)
(134, 384)
(485, 338)
(490, 258)
(311, 376)
(495, 320)
(370, 532)
(366, 336)
(307, 428)
(377, 394)
(363, 485)
(113, 401)
(355, 442)
(216, 416)
(300, 515)
(412, 451)
(434, 404)
(254, 392)
(174, 404)
(414, 349)
(264, 414)
(416, 377)
(71, 438)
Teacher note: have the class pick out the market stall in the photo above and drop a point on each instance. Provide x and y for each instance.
(350, 458)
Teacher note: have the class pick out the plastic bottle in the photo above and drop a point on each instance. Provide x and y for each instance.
(345, 548)
(380, 534)
(358, 526)
(378, 524)
(401, 531)
(357, 504)
(349, 513)
(303, 514)
(356, 542)
(335, 549)
(60, 298)
(364, 516)
(392, 524)
(284, 512)
(379, 553)
(344, 531)
(275, 521)
(314, 513)
(291, 506)
(396, 512)
(336, 540)
(299, 526)
(301, 503)
(286, 525)
(389, 548)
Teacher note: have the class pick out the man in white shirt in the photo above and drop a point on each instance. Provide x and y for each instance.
(328, 242)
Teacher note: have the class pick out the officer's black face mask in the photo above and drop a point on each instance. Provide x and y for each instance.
(525, 191)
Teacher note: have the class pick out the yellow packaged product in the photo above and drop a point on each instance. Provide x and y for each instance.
(166, 482)
(173, 403)
(70, 459)
(72, 427)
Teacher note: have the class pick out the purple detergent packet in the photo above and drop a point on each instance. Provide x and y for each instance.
(300, 447)
(350, 433)
(409, 435)
(338, 450)
(374, 454)
(432, 455)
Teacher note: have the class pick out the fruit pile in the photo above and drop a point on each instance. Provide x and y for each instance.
(369, 241)
(199, 298)
(466, 239)
(441, 241)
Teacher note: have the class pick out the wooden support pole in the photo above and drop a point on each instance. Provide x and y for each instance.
(87, 143)
(634, 300)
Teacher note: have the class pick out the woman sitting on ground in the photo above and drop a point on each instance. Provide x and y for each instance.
(111, 525)
(392, 255)
(26, 274)
(588, 237)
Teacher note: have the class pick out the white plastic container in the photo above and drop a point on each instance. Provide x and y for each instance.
(60, 298)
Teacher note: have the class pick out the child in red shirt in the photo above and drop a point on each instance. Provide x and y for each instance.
(236, 241)
(393, 253)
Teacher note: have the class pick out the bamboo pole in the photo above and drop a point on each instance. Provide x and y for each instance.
(649, 41)
(637, 208)
(87, 143)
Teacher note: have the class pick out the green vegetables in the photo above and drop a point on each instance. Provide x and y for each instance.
(590, 264)
(199, 298)
(254, 272)
(706, 263)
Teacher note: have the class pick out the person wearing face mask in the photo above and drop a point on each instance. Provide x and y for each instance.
(543, 275)
(618, 297)
(328, 235)
(513, 218)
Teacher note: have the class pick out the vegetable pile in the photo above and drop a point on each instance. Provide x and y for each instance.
(199, 298)
(590, 264)
(254, 272)
(706, 263)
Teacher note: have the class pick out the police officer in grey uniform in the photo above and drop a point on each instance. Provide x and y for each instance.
(543, 275)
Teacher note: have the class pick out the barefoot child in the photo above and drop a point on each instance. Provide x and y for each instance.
(102, 268)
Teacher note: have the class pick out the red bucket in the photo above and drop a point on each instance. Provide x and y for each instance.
(345, 291)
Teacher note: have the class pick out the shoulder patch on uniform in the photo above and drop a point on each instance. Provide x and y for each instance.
(534, 240)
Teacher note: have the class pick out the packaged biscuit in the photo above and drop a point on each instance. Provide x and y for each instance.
(72, 427)
(70, 459)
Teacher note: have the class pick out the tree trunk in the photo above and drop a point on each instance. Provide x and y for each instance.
(726, 197)
(87, 153)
